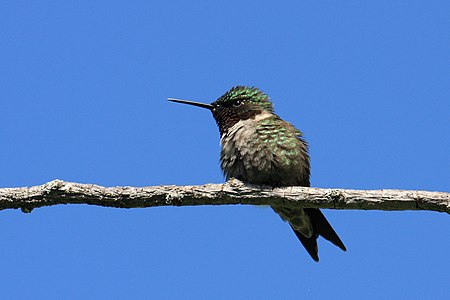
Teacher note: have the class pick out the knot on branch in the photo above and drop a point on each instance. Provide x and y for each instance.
(234, 183)
(337, 196)
(174, 198)
(54, 185)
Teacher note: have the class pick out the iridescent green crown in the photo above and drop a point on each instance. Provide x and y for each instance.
(251, 95)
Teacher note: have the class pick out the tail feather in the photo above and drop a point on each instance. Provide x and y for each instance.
(310, 244)
(321, 227)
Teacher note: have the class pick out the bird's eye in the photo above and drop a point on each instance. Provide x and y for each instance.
(237, 103)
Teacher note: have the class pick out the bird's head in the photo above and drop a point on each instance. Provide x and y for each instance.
(238, 103)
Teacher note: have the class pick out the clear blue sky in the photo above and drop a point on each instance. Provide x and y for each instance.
(83, 87)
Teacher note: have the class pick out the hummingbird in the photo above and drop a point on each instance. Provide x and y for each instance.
(258, 147)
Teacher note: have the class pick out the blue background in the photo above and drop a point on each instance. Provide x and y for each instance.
(83, 87)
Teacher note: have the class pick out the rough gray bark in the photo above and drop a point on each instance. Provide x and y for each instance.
(232, 192)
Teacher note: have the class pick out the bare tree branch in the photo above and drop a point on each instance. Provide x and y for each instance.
(232, 192)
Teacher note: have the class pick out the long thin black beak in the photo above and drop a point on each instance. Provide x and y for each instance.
(199, 104)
